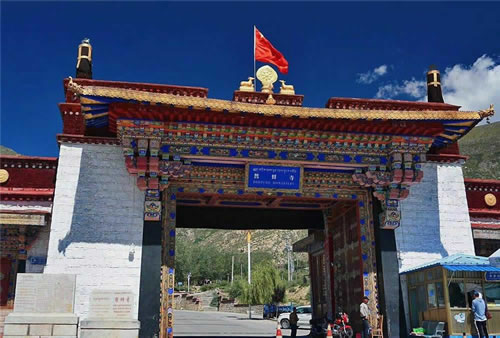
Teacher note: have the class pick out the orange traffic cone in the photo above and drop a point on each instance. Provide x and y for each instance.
(329, 332)
(278, 331)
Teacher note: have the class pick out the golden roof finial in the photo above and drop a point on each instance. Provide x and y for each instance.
(74, 87)
(267, 76)
(487, 112)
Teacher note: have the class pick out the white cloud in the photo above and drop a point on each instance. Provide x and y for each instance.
(411, 87)
(473, 87)
(372, 75)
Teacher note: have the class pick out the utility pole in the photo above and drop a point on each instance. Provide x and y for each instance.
(249, 236)
(232, 270)
(189, 279)
(290, 261)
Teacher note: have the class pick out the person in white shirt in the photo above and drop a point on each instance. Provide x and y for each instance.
(365, 314)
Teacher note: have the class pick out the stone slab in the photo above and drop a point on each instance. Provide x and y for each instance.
(40, 329)
(15, 329)
(102, 333)
(64, 330)
(111, 304)
(41, 318)
(45, 293)
(110, 324)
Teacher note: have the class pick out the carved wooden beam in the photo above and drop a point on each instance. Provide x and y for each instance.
(213, 200)
(275, 202)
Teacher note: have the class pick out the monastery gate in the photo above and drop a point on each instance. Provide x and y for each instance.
(339, 171)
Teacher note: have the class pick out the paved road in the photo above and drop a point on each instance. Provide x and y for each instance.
(222, 324)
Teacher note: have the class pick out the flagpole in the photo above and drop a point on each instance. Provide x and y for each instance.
(254, 72)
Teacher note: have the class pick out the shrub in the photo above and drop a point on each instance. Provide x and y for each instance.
(207, 287)
(215, 301)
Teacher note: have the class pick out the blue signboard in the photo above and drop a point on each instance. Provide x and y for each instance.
(493, 276)
(36, 260)
(274, 177)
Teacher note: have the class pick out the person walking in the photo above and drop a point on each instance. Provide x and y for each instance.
(294, 319)
(365, 315)
(479, 311)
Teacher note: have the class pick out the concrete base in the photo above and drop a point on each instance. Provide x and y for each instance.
(109, 328)
(41, 325)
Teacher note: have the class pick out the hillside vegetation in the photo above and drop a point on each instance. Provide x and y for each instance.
(482, 144)
(206, 253)
(7, 151)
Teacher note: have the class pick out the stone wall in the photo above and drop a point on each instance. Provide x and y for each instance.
(97, 222)
(435, 217)
(35, 325)
(184, 301)
(228, 306)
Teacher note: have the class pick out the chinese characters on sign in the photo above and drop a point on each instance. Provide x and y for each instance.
(274, 177)
(111, 304)
(493, 276)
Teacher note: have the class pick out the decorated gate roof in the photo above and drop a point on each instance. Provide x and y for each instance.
(168, 131)
(102, 102)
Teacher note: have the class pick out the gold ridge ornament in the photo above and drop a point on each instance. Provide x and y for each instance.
(4, 175)
(267, 76)
(490, 200)
(247, 86)
(286, 89)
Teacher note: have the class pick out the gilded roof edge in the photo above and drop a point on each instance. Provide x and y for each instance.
(284, 111)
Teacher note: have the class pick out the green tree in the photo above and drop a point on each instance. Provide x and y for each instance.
(267, 286)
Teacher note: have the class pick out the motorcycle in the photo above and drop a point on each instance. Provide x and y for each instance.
(341, 325)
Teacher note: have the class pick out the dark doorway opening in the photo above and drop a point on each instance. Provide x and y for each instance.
(247, 218)
(228, 218)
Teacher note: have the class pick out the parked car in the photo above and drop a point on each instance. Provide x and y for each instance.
(304, 313)
(269, 311)
(284, 309)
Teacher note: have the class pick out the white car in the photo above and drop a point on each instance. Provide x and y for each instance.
(304, 313)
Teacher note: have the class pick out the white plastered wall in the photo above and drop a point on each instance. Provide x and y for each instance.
(97, 222)
(435, 219)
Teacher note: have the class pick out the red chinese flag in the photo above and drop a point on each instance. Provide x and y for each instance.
(265, 52)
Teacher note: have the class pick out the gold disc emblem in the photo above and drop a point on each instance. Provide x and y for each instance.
(267, 76)
(4, 175)
(490, 200)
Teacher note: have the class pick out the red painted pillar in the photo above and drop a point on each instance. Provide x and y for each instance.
(331, 265)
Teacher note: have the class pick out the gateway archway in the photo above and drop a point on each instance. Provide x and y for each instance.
(355, 160)
(318, 208)
(209, 217)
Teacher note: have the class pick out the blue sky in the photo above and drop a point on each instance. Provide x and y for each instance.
(328, 46)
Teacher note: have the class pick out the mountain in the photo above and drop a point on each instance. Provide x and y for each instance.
(7, 151)
(269, 241)
(482, 144)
